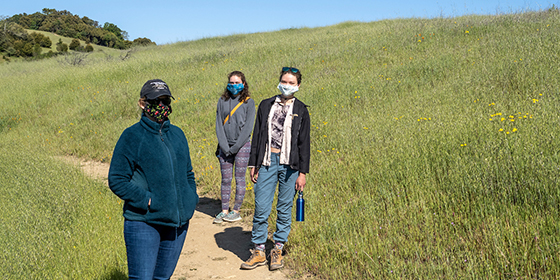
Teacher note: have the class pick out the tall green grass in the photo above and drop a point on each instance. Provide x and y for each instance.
(434, 147)
(56, 223)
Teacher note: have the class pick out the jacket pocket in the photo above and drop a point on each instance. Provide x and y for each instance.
(162, 209)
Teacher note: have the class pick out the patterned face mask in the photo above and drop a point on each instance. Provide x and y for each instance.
(159, 112)
(234, 89)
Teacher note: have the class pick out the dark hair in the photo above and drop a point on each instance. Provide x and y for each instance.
(297, 75)
(244, 94)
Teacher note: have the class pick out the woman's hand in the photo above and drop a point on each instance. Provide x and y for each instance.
(254, 175)
(300, 182)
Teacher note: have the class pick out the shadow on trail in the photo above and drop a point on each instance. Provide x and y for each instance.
(235, 240)
(209, 206)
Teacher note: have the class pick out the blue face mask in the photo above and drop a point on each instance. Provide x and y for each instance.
(287, 90)
(234, 89)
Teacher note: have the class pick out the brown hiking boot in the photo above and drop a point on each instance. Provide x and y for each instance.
(258, 257)
(276, 259)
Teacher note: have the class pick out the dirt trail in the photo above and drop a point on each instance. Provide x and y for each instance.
(210, 251)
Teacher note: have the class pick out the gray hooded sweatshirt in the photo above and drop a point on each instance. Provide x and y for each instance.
(237, 130)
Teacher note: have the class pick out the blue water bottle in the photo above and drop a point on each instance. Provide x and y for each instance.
(300, 208)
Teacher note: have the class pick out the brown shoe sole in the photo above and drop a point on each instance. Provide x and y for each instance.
(246, 266)
(276, 266)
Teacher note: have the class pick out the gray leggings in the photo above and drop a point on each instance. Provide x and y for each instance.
(241, 159)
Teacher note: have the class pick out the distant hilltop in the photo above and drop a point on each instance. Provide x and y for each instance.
(14, 37)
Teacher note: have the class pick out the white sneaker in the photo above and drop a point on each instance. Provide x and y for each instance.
(219, 218)
(232, 217)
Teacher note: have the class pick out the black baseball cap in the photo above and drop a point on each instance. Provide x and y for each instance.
(155, 88)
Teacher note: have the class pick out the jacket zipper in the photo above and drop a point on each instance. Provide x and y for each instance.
(296, 138)
(172, 175)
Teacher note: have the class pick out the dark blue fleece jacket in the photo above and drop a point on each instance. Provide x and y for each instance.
(152, 161)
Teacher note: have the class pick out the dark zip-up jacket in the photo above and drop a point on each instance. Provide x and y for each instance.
(300, 142)
(152, 161)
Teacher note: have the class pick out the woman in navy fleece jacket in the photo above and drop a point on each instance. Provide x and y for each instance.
(151, 171)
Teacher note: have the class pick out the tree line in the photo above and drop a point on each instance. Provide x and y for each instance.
(15, 41)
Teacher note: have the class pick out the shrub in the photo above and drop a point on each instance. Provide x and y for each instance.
(74, 44)
(36, 37)
(61, 47)
(89, 48)
(11, 51)
(142, 42)
(46, 42)
(23, 48)
(37, 50)
(49, 54)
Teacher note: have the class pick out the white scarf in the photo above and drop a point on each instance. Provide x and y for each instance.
(287, 135)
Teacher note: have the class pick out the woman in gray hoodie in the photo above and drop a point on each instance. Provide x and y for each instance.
(235, 116)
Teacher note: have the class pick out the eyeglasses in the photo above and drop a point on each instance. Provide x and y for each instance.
(291, 69)
(166, 101)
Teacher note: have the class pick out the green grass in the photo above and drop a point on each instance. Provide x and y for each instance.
(434, 146)
(56, 223)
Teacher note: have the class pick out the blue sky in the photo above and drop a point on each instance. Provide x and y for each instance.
(166, 21)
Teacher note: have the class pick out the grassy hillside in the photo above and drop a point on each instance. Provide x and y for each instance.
(435, 148)
(55, 37)
(98, 51)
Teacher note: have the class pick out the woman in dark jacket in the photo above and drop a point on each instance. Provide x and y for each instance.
(151, 171)
(279, 159)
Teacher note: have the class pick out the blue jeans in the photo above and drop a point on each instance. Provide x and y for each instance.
(269, 177)
(152, 250)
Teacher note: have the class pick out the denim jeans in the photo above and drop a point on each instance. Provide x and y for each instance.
(269, 177)
(152, 250)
